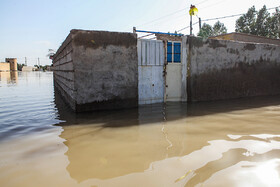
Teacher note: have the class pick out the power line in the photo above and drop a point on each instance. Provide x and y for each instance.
(187, 27)
(152, 21)
(222, 17)
(232, 15)
(145, 35)
(210, 19)
(199, 3)
(219, 2)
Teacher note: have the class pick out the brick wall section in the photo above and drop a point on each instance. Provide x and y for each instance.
(63, 68)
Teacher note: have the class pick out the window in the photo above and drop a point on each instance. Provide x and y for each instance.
(174, 52)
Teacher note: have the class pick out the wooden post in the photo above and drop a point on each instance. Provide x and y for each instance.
(191, 26)
(199, 23)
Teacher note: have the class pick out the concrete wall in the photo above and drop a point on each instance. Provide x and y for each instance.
(221, 69)
(242, 37)
(96, 70)
(4, 66)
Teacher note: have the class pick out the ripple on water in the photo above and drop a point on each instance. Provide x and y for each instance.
(222, 143)
(27, 104)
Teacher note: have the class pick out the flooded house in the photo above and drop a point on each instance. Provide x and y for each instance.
(99, 70)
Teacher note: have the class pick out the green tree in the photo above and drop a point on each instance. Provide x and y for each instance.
(19, 67)
(262, 22)
(246, 23)
(51, 53)
(274, 22)
(207, 30)
(219, 28)
(259, 23)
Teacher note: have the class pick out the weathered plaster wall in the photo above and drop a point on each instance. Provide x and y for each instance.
(96, 70)
(106, 69)
(4, 66)
(223, 69)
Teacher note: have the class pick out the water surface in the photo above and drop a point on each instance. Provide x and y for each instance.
(225, 143)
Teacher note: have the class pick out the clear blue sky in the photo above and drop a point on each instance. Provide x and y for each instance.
(30, 27)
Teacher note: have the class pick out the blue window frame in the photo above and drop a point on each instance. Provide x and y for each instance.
(173, 52)
(169, 52)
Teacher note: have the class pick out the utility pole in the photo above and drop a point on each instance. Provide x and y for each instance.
(199, 19)
(193, 11)
(39, 62)
(25, 61)
(191, 26)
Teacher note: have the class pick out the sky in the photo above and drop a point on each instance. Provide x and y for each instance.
(28, 28)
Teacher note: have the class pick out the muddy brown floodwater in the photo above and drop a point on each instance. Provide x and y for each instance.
(223, 143)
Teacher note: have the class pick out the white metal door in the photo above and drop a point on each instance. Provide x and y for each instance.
(174, 71)
(150, 71)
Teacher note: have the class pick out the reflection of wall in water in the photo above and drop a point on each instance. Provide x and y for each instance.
(106, 145)
(9, 77)
(111, 144)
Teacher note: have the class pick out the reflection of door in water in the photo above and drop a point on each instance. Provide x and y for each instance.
(174, 72)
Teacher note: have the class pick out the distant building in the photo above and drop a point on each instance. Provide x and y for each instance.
(29, 68)
(4, 66)
(13, 63)
(242, 37)
(9, 65)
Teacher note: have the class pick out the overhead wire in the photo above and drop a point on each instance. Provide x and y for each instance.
(168, 15)
(213, 4)
(218, 18)
(232, 15)
(199, 3)
(145, 36)
(152, 21)
(187, 27)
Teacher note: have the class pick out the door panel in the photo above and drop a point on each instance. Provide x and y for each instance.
(150, 71)
(173, 82)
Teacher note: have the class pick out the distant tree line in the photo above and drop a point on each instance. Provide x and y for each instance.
(43, 68)
(19, 66)
(207, 30)
(260, 23)
(39, 67)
